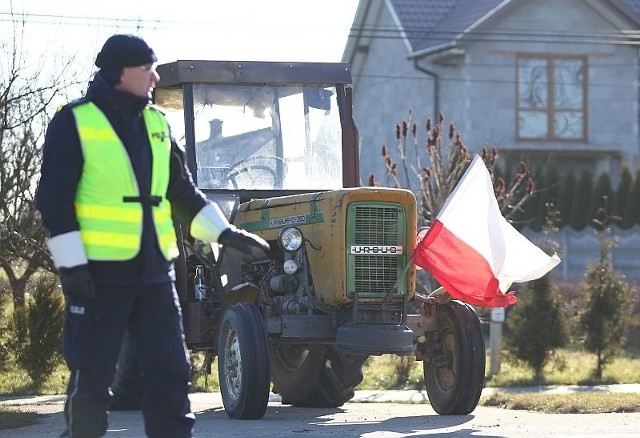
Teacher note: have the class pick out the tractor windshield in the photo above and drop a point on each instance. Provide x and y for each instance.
(265, 137)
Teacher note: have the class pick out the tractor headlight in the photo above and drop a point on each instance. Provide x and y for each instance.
(290, 239)
(290, 267)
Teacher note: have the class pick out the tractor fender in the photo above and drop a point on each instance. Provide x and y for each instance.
(244, 292)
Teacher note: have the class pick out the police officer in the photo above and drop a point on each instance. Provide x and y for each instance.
(112, 177)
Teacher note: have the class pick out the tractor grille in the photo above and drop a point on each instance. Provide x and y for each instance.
(378, 228)
(377, 225)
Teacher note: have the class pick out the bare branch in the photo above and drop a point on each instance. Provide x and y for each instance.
(448, 158)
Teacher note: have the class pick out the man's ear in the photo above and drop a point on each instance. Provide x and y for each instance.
(113, 76)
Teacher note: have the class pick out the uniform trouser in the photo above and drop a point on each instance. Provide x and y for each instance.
(93, 335)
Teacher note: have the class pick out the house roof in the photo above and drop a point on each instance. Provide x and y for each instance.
(435, 25)
(631, 7)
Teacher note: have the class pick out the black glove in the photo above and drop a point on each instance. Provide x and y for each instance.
(253, 248)
(76, 282)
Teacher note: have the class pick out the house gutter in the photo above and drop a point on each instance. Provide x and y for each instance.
(436, 88)
(432, 50)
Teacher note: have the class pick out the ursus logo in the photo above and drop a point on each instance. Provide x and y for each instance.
(376, 249)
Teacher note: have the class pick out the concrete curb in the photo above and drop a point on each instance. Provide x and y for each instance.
(362, 396)
(563, 389)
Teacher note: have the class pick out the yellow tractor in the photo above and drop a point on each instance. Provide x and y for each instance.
(276, 146)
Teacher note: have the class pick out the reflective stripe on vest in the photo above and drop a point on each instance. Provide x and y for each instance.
(111, 228)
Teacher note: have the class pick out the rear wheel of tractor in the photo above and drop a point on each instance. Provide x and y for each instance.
(243, 362)
(127, 383)
(314, 376)
(295, 369)
(340, 373)
(454, 376)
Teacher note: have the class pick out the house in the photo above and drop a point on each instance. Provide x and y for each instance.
(548, 81)
(551, 82)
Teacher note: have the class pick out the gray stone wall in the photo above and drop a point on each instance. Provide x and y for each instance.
(579, 249)
(385, 92)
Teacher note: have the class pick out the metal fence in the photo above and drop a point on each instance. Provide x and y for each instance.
(579, 249)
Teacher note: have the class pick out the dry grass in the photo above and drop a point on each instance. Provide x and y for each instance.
(15, 381)
(391, 372)
(567, 403)
(567, 368)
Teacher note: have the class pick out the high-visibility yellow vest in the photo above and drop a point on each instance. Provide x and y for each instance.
(111, 226)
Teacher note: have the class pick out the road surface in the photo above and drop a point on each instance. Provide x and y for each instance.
(368, 416)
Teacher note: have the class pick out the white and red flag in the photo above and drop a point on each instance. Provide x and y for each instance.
(471, 249)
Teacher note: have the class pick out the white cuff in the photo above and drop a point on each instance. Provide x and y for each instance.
(67, 250)
(209, 223)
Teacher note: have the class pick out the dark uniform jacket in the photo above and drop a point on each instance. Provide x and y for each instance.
(61, 170)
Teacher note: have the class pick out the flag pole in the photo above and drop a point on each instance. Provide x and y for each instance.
(393, 289)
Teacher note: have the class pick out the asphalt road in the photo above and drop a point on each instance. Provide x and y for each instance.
(371, 414)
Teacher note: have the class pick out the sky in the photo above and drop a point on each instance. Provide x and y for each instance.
(238, 30)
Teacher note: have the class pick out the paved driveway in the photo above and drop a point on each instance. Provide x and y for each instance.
(370, 414)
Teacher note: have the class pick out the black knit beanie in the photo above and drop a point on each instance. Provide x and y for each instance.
(124, 51)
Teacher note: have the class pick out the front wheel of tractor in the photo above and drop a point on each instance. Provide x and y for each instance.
(243, 362)
(454, 374)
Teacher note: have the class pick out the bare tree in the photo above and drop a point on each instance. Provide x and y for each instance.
(28, 89)
(432, 171)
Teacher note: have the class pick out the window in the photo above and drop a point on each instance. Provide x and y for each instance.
(551, 97)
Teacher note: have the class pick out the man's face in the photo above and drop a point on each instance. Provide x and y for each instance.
(138, 80)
